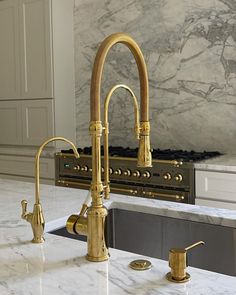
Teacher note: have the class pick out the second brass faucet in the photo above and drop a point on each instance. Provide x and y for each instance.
(36, 218)
(93, 224)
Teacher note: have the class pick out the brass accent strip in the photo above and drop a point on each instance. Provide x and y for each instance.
(177, 197)
(131, 191)
(171, 162)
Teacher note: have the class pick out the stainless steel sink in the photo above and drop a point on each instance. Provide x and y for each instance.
(153, 235)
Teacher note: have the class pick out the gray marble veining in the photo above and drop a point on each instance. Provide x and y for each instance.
(190, 50)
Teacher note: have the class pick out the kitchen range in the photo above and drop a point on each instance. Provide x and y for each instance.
(170, 178)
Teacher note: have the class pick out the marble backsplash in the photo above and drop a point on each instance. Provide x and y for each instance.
(190, 50)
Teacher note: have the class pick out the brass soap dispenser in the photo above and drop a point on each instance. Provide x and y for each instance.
(178, 264)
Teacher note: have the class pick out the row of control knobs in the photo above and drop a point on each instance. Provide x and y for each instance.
(177, 177)
(167, 176)
(118, 171)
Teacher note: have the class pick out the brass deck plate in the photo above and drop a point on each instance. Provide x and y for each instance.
(140, 264)
(186, 279)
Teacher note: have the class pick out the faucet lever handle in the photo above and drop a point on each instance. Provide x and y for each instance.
(25, 215)
(24, 204)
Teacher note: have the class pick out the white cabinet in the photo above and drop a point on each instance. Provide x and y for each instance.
(37, 93)
(10, 122)
(9, 50)
(26, 68)
(37, 121)
(216, 189)
(36, 48)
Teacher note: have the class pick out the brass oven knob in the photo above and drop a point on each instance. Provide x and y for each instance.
(118, 172)
(127, 172)
(136, 173)
(77, 167)
(110, 171)
(167, 176)
(134, 192)
(84, 168)
(179, 177)
(147, 174)
(90, 169)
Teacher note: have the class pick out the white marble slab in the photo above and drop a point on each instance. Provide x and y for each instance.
(224, 163)
(58, 266)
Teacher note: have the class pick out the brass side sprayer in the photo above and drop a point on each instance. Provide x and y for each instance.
(36, 219)
(92, 222)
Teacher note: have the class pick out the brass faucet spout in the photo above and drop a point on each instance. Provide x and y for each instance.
(106, 132)
(98, 69)
(37, 158)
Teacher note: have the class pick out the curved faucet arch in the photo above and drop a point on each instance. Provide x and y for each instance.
(98, 70)
(106, 131)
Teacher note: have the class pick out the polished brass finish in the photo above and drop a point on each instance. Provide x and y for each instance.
(178, 264)
(168, 162)
(144, 151)
(106, 132)
(127, 172)
(136, 173)
(179, 177)
(118, 172)
(152, 194)
(36, 218)
(140, 264)
(171, 279)
(167, 176)
(147, 174)
(96, 213)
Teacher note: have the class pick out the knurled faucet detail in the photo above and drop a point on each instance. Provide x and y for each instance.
(91, 220)
(36, 218)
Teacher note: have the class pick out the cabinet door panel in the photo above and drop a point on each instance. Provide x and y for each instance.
(217, 186)
(9, 50)
(10, 122)
(38, 124)
(36, 56)
(25, 166)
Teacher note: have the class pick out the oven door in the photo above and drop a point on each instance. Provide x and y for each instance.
(134, 190)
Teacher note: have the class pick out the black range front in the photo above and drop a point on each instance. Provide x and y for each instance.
(171, 177)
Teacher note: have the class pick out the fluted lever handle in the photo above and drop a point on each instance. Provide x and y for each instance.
(24, 204)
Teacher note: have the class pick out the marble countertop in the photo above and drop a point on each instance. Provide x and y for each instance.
(224, 163)
(49, 268)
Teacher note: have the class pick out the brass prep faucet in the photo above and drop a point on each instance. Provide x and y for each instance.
(106, 132)
(93, 224)
(36, 218)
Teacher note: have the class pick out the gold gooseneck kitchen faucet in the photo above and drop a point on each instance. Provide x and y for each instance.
(36, 218)
(93, 224)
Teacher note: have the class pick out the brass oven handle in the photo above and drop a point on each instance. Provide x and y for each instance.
(130, 191)
(73, 183)
(171, 162)
(177, 197)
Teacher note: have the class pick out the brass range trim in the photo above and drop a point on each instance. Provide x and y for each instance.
(169, 162)
(130, 191)
(177, 197)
